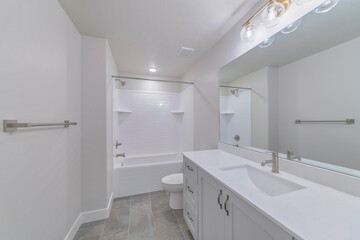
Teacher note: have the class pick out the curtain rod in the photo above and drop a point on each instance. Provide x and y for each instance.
(154, 80)
(235, 87)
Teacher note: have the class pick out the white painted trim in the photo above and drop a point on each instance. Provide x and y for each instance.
(90, 216)
(73, 230)
(97, 214)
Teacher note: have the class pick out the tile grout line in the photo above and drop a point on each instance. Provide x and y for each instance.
(177, 220)
(128, 230)
(152, 215)
(102, 230)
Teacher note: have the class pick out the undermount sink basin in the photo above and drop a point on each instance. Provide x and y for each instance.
(268, 183)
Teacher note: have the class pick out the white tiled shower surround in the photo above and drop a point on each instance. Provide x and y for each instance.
(152, 122)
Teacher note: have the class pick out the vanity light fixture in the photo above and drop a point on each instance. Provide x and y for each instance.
(152, 69)
(326, 6)
(292, 27)
(248, 32)
(270, 15)
(267, 42)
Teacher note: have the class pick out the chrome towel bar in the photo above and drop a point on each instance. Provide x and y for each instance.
(13, 125)
(346, 121)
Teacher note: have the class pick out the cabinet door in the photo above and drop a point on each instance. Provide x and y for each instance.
(246, 223)
(211, 212)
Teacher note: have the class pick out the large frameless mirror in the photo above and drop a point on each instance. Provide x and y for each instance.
(298, 92)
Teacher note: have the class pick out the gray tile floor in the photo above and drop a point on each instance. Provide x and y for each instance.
(140, 217)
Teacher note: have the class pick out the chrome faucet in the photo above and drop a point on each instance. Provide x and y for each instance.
(290, 156)
(120, 155)
(274, 161)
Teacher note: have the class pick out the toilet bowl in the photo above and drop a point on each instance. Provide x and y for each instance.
(174, 185)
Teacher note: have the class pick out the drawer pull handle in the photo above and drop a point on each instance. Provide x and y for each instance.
(189, 189)
(188, 216)
(188, 167)
(219, 200)
(225, 205)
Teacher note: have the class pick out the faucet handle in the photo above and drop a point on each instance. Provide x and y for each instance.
(120, 155)
(274, 154)
(117, 144)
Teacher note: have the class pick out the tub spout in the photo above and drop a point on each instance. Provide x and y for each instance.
(120, 155)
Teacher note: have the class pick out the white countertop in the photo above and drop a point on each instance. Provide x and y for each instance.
(316, 212)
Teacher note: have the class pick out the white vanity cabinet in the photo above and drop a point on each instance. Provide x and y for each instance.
(215, 213)
(242, 221)
(210, 208)
(190, 192)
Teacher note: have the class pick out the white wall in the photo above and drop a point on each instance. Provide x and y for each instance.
(150, 127)
(40, 174)
(96, 110)
(258, 81)
(316, 88)
(223, 107)
(187, 122)
(238, 123)
(205, 73)
(110, 71)
(264, 109)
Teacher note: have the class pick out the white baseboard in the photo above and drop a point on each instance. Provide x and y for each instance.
(90, 216)
(73, 230)
(97, 214)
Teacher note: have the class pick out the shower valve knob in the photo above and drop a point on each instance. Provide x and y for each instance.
(120, 155)
(117, 144)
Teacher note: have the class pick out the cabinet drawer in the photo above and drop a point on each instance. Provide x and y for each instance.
(190, 169)
(190, 189)
(190, 216)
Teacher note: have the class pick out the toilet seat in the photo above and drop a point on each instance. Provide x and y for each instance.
(173, 182)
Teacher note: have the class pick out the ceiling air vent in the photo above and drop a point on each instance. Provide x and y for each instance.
(185, 52)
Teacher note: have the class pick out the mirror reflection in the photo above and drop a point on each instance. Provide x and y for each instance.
(297, 93)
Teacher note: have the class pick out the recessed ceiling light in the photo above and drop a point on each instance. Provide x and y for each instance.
(152, 69)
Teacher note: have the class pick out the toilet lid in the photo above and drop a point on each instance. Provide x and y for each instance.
(173, 179)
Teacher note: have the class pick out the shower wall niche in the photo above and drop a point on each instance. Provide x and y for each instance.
(153, 122)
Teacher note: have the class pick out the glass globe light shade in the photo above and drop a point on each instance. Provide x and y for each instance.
(267, 42)
(271, 14)
(248, 32)
(292, 27)
(302, 2)
(326, 6)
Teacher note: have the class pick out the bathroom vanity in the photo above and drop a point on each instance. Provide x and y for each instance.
(230, 197)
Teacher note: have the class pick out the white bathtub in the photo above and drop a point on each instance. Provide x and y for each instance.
(142, 174)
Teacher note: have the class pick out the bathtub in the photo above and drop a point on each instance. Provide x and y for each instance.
(141, 174)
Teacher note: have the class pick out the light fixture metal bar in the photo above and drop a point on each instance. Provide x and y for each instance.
(153, 80)
(347, 121)
(225, 86)
(286, 4)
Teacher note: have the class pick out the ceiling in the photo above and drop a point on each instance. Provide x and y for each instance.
(144, 33)
(316, 33)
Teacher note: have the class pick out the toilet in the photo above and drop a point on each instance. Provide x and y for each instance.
(174, 185)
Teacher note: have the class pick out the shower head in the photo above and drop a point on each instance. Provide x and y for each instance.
(234, 91)
(122, 83)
